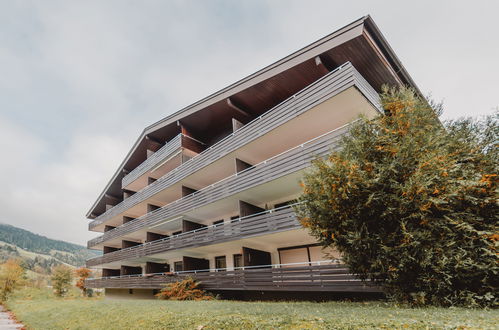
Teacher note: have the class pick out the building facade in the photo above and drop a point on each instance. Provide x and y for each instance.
(208, 191)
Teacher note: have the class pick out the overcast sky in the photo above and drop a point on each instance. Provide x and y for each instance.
(79, 80)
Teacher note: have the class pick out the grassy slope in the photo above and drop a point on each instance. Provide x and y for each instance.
(39, 310)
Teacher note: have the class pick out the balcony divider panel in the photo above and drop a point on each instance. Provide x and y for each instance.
(330, 85)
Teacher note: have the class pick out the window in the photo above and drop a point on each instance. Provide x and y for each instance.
(305, 254)
(130, 291)
(218, 222)
(238, 260)
(220, 262)
(178, 266)
(177, 232)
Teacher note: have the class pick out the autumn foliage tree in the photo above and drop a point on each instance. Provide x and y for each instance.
(412, 203)
(11, 275)
(61, 278)
(82, 274)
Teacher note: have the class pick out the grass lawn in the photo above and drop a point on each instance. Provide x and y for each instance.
(38, 309)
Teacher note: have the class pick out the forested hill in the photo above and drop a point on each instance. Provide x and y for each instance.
(69, 253)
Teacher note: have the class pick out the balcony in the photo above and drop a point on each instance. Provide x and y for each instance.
(162, 161)
(340, 80)
(271, 221)
(323, 276)
(287, 163)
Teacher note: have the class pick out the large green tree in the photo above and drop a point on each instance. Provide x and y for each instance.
(412, 203)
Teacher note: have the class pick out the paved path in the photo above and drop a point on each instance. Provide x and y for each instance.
(6, 323)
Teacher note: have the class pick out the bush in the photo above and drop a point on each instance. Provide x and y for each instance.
(184, 290)
(11, 275)
(412, 204)
(61, 279)
(83, 273)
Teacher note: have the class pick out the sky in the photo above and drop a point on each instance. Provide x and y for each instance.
(79, 80)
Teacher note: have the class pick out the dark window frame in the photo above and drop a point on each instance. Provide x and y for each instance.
(224, 258)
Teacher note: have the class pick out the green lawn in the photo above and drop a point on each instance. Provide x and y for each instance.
(39, 310)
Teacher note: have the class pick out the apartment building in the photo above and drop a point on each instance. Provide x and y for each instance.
(208, 191)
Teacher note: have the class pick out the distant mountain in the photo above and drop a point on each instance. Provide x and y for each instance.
(39, 251)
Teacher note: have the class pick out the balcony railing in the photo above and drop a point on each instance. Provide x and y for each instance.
(288, 162)
(163, 153)
(328, 86)
(271, 221)
(322, 276)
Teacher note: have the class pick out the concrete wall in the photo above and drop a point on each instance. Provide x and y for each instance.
(125, 294)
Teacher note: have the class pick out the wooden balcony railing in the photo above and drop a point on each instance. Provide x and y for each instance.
(162, 154)
(323, 276)
(288, 162)
(328, 86)
(271, 221)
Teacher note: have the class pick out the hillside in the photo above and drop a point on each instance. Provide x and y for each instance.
(37, 251)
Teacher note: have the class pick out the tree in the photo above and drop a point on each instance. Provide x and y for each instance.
(61, 279)
(82, 274)
(411, 203)
(11, 275)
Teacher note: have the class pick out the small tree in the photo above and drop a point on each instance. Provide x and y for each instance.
(82, 274)
(412, 203)
(61, 279)
(11, 275)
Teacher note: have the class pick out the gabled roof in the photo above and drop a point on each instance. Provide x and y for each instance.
(359, 42)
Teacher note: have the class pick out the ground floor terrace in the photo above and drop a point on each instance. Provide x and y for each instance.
(325, 276)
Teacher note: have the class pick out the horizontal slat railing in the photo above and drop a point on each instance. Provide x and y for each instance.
(330, 85)
(153, 160)
(323, 276)
(278, 166)
(271, 221)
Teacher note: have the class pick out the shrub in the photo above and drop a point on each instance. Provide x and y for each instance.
(61, 279)
(82, 274)
(11, 275)
(186, 289)
(411, 203)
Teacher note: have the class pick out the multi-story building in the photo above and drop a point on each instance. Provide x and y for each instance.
(208, 191)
